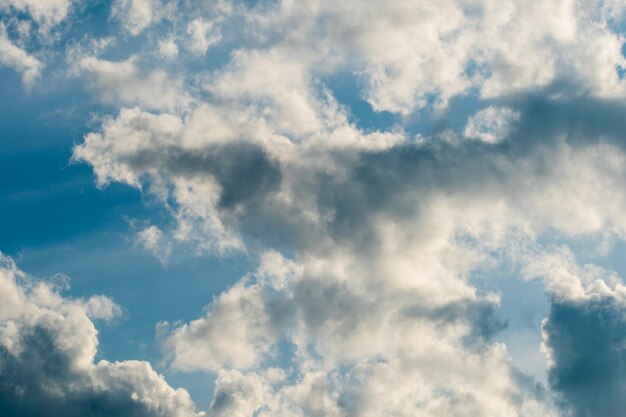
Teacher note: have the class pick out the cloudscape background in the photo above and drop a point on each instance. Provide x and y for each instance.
(283, 208)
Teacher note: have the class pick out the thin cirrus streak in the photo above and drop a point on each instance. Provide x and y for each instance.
(501, 149)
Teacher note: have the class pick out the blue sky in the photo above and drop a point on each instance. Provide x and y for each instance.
(299, 209)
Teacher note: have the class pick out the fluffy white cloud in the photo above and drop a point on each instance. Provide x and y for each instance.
(359, 348)
(125, 82)
(236, 333)
(410, 54)
(47, 349)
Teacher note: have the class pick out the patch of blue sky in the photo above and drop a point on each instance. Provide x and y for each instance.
(523, 305)
(347, 89)
(603, 250)
(459, 108)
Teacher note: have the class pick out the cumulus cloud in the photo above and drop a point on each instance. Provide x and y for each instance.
(386, 233)
(47, 349)
(124, 82)
(379, 232)
(585, 342)
(446, 49)
(349, 341)
(370, 309)
(584, 333)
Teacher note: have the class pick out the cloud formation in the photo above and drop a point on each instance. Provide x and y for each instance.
(13, 56)
(586, 344)
(47, 349)
(368, 241)
(375, 313)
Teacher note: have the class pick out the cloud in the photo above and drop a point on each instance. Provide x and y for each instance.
(101, 308)
(151, 239)
(491, 125)
(46, 13)
(585, 340)
(349, 190)
(379, 234)
(168, 49)
(372, 309)
(47, 349)
(203, 35)
(124, 82)
(347, 340)
(238, 395)
(235, 333)
(584, 333)
(137, 15)
(448, 49)
(17, 58)
(385, 236)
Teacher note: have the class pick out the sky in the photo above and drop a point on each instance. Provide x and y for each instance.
(289, 208)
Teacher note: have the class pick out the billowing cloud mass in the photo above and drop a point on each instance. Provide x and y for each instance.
(369, 240)
(47, 349)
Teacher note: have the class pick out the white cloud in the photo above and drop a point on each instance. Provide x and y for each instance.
(168, 48)
(124, 82)
(151, 239)
(491, 125)
(442, 50)
(46, 13)
(236, 333)
(570, 282)
(203, 34)
(137, 15)
(238, 395)
(360, 348)
(240, 327)
(14, 57)
(101, 307)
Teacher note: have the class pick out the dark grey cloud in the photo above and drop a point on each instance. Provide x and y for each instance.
(244, 170)
(588, 344)
(47, 348)
(39, 381)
